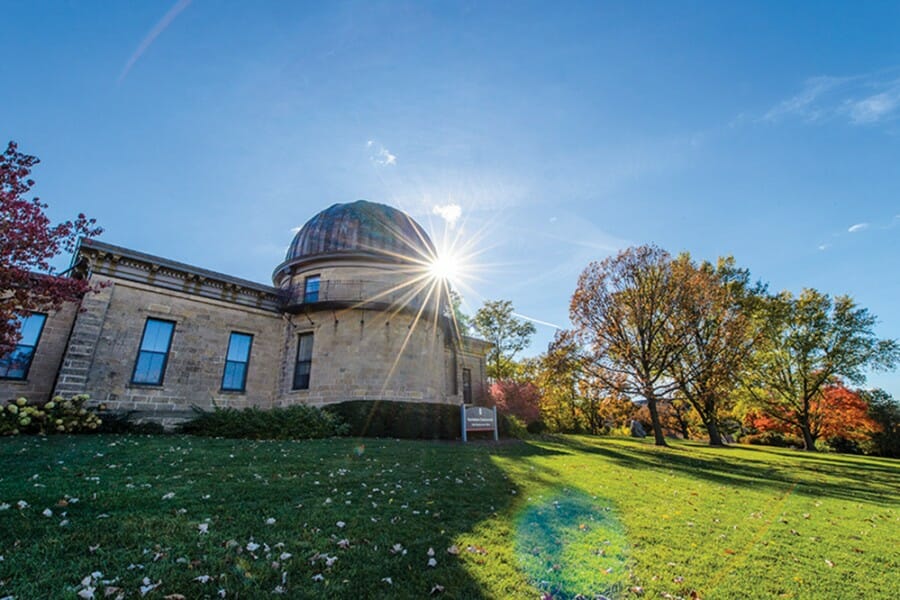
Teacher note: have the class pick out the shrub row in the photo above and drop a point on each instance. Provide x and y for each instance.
(773, 438)
(362, 418)
(407, 420)
(292, 422)
(59, 415)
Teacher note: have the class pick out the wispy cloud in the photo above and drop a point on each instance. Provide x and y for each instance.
(449, 212)
(154, 33)
(876, 107)
(858, 227)
(805, 104)
(380, 155)
(864, 99)
(824, 247)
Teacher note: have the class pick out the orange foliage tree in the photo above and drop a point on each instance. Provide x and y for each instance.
(836, 413)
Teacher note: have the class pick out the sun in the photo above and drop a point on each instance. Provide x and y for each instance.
(444, 267)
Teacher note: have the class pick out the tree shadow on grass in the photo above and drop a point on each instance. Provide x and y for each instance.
(806, 473)
(839, 462)
(262, 499)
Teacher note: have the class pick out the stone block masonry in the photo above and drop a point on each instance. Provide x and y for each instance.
(48, 360)
(107, 337)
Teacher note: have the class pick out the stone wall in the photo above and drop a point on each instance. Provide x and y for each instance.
(107, 335)
(367, 355)
(473, 358)
(47, 359)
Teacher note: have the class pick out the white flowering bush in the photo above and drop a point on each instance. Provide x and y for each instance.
(59, 415)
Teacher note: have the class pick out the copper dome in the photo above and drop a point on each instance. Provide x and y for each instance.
(362, 227)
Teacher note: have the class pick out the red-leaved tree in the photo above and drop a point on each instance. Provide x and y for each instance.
(837, 412)
(28, 242)
(520, 399)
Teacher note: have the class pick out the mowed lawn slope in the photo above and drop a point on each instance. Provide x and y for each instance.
(363, 518)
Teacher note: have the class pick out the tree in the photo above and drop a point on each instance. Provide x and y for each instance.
(885, 411)
(462, 321)
(497, 324)
(28, 242)
(559, 376)
(676, 417)
(719, 335)
(838, 414)
(624, 311)
(844, 415)
(807, 342)
(574, 400)
(520, 399)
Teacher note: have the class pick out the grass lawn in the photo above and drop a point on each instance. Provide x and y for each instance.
(356, 519)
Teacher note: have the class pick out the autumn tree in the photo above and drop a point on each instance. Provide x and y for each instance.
(624, 311)
(676, 417)
(838, 414)
(28, 242)
(573, 398)
(844, 415)
(806, 342)
(497, 323)
(560, 371)
(517, 398)
(719, 335)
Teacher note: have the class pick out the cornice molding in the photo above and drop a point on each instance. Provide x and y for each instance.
(116, 262)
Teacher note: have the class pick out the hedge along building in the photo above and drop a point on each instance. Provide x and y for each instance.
(355, 313)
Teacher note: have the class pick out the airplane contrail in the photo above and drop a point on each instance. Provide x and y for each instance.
(538, 321)
(161, 26)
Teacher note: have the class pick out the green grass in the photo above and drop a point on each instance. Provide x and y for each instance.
(566, 515)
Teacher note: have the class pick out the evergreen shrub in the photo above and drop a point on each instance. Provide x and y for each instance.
(288, 423)
(406, 420)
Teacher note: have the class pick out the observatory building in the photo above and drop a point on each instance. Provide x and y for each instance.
(354, 313)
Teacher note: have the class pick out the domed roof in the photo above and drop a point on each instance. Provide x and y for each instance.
(361, 227)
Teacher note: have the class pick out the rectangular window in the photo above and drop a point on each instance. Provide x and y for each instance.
(154, 352)
(304, 361)
(467, 386)
(236, 359)
(311, 289)
(15, 365)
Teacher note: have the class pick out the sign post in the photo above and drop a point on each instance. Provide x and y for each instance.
(478, 418)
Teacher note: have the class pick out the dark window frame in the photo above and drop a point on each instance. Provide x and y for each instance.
(306, 362)
(310, 297)
(33, 347)
(467, 385)
(137, 360)
(246, 363)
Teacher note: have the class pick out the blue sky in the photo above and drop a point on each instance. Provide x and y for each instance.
(204, 131)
